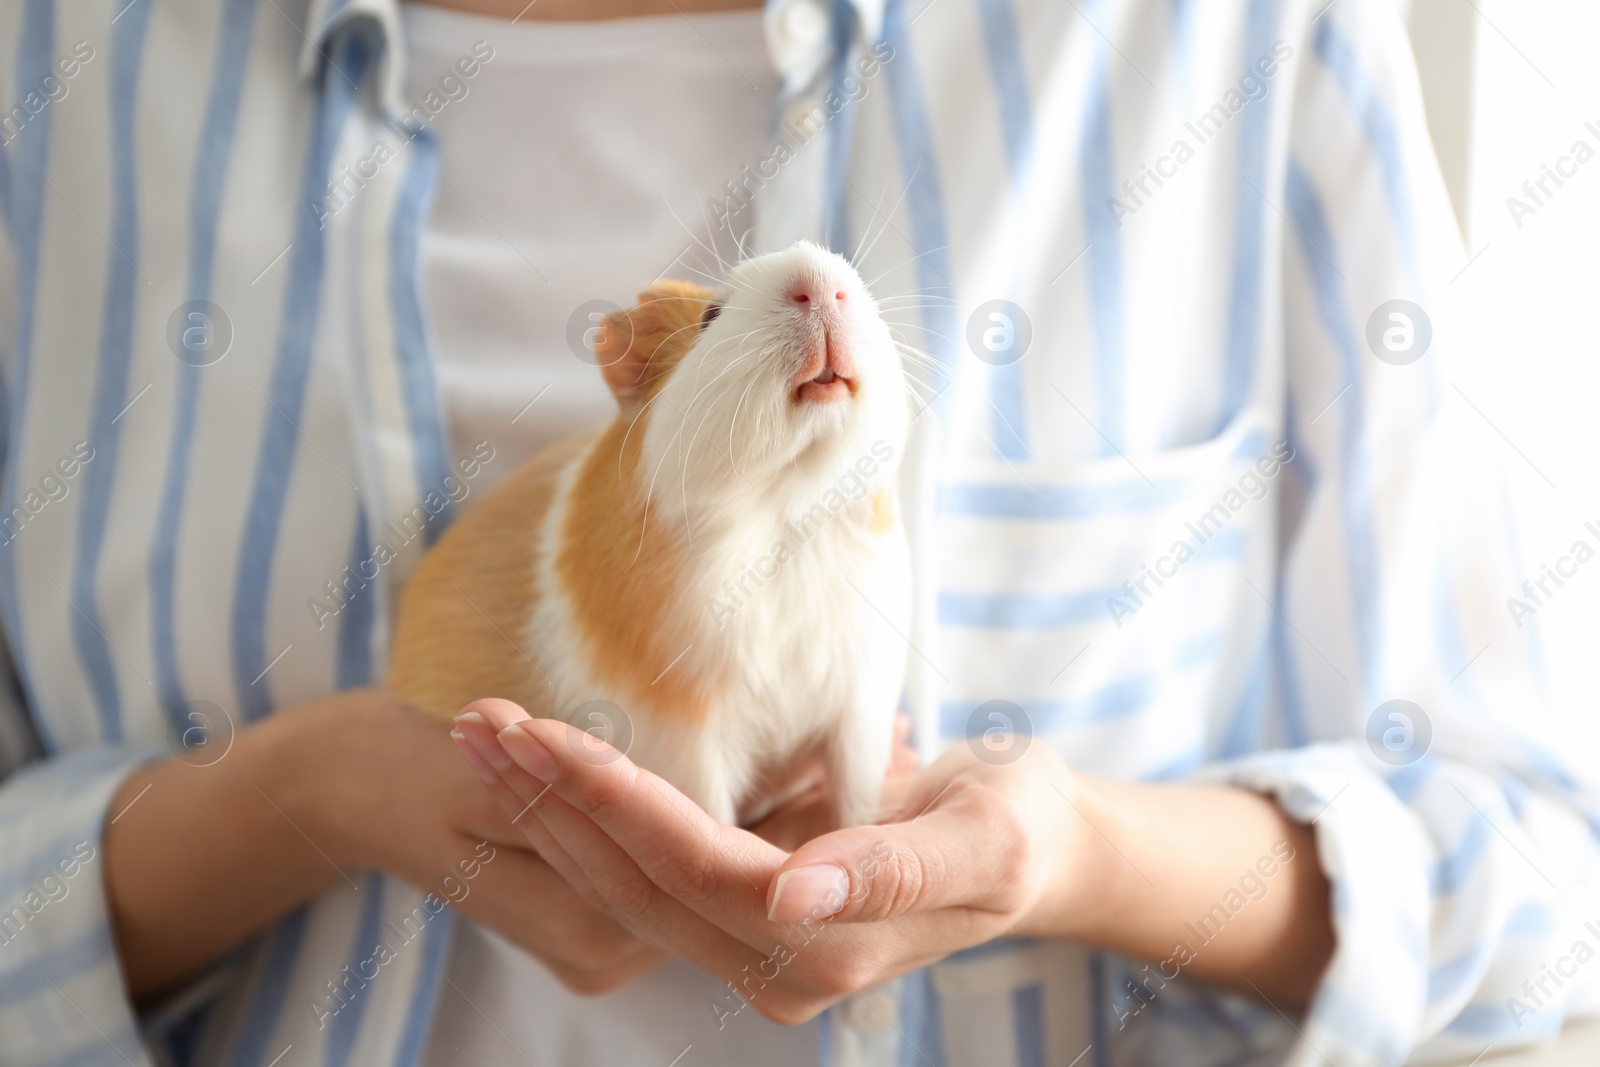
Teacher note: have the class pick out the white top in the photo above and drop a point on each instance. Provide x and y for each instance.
(1180, 330)
(574, 167)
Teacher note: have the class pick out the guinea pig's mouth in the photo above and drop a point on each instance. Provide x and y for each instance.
(828, 375)
(827, 387)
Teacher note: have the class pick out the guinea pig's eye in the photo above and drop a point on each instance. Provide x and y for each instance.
(713, 309)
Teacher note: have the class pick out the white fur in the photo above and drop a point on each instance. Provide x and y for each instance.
(814, 651)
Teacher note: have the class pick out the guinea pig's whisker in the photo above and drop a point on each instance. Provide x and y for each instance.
(698, 430)
(897, 309)
(683, 491)
(915, 373)
(644, 521)
(905, 262)
(898, 338)
(932, 299)
(650, 488)
(734, 422)
(921, 375)
(908, 348)
(675, 443)
(865, 246)
(917, 307)
(715, 280)
(646, 406)
(922, 402)
(680, 447)
(912, 350)
(932, 371)
(887, 216)
(623, 451)
(712, 229)
(681, 329)
(921, 289)
(685, 445)
(927, 329)
(740, 358)
(692, 235)
(909, 362)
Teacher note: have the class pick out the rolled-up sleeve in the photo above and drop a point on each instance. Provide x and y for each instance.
(62, 998)
(1453, 808)
(1458, 896)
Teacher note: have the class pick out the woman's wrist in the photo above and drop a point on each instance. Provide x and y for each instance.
(200, 857)
(323, 758)
(1076, 895)
(1143, 866)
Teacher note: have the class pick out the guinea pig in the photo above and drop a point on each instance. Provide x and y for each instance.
(717, 582)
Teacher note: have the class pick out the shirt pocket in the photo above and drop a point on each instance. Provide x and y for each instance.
(1075, 599)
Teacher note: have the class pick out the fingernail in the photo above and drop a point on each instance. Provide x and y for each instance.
(809, 893)
(529, 753)
(475, 761)
(483, 741)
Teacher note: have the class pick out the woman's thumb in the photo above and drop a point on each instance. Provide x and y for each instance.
(865, 874)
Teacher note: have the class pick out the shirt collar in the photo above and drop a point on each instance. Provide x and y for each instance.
(326, 17)
(801, 35)
(800, 38)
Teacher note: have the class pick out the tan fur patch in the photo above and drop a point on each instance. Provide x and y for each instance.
(636, 348)
(464, 612)
(619, 568)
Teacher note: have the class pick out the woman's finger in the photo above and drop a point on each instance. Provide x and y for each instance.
(960, 851)
(690, 855)
(514, 790)
(619, 883)
(469, 738)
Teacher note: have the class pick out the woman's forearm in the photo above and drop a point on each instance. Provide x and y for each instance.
(200, 858)
(1210, 882)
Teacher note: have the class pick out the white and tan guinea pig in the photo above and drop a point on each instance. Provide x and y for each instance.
(724, 562)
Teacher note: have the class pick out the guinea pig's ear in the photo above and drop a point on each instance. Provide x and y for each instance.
(621, 361)
(637, 347)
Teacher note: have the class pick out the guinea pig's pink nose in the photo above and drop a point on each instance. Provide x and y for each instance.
(815, 293)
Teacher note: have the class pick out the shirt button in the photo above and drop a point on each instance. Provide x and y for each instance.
(872, 1011)
(803, 25)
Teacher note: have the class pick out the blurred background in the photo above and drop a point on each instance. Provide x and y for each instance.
(1509, 86)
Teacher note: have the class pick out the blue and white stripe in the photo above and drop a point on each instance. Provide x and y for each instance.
(1174, 345)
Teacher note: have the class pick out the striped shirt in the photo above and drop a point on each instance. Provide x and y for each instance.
(1193, 496)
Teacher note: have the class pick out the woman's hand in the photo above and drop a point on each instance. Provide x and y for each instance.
(205, 856)
(974, 850)
(968, 857)
(400, 801)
